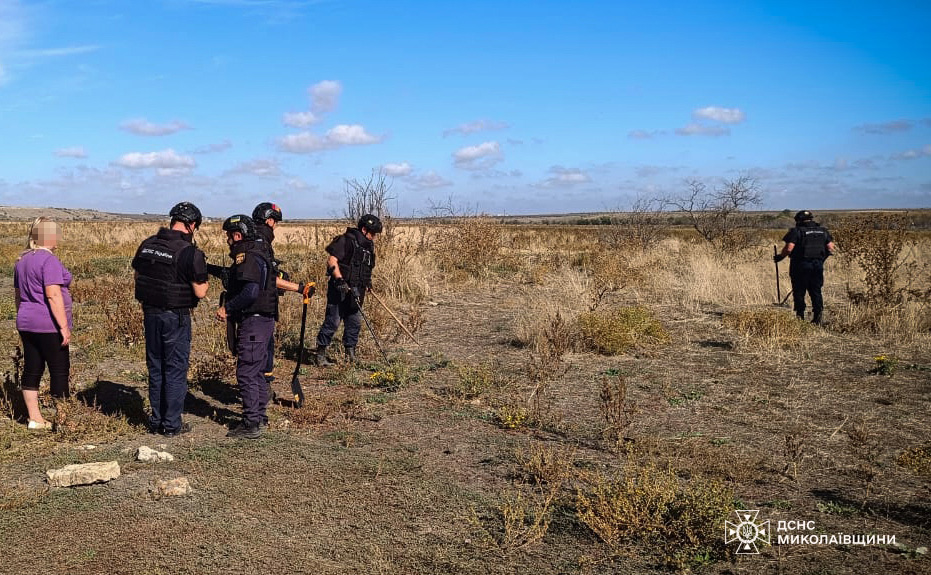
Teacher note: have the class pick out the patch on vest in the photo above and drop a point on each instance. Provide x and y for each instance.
(240, 258)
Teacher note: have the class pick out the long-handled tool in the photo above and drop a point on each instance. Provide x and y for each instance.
(296, 389)
(391, 313)
(371, 331)
(778, 289)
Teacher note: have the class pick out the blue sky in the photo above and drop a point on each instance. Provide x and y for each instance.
(498, 107)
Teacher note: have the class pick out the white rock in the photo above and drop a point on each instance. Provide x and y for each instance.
(173, 487)
(921, 551)
(146, 454)
(83, 474)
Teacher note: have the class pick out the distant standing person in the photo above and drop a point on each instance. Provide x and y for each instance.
(43, 317)
(807, 245)
(266, 216)
(252, 300)
(171, 278)
(350, 263)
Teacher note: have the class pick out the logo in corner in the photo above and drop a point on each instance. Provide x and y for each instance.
(747, 531)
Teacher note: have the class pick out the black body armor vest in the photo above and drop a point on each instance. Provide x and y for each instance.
(267, 302)
(159, 282)
(812, 243)
(358, 269)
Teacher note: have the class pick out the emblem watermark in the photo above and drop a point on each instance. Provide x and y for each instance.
(747, 531)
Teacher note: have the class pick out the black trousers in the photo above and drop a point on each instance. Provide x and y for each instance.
(807, 277)
(40, 349)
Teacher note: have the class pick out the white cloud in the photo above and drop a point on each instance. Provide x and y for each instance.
(142, 127)
(336, 137)
(561, 177)
(350, 135)
(480, 157)
(214, 148)
(299, 119)
(696, 129)
(74, 152)
(885, 128)
(165, 160)
(397, 170)
(923, 152)
(643, 134)
(262, 168)
(429, 181)
(478, 126)
(723, 115)
(324, 96)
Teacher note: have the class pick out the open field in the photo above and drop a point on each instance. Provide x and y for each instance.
(583, 401)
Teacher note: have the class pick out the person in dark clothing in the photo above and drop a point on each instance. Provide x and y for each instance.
(807, 245)
(266, 216)
(251, 304)
(170, 279)
(349, 264)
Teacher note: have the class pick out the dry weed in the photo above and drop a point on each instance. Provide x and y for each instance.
(768, 329)
(615, 331)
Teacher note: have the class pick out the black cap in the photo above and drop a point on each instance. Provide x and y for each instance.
(266, 210)
(240, 223)
(371, 223)
(187, 213)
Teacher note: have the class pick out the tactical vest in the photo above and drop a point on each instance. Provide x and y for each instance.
(267, 302)
(358, 269)
(812, 242)
(159, 282)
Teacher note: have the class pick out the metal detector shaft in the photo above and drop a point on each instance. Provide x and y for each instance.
(368, 325)
(391, 313)
(778, 289)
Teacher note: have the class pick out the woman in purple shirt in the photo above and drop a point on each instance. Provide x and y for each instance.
(43, 316)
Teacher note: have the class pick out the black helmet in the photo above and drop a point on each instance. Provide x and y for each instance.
(240, 223)
(371, 223)
(266, 210)
(804, 216)
(187, 213)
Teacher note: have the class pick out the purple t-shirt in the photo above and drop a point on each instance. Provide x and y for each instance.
(31, 274)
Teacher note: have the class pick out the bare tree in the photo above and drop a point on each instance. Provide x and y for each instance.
(368, 196)
(642, 225)
(719, 216)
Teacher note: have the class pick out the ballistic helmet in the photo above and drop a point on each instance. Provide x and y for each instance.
(240, 223)
(187, 213)
(264, 211)
(804, 216)
(371, 223)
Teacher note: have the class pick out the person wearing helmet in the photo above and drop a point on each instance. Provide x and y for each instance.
(350, 261)
(807, 245)
(266, 216)
(252, 306)
(170, 275)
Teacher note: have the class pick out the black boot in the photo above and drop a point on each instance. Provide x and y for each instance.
(816, 318)
(320, 359)
(351, 354)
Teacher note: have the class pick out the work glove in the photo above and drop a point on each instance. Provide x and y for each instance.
(779, 258)
(284, 275)
(343, 288)
(306, 289)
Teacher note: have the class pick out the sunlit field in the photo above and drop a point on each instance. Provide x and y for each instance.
(579, 399)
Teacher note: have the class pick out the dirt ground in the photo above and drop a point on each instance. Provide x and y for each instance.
(363, 480)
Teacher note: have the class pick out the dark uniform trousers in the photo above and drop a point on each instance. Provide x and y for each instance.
(167, 354)
(807, 277)
(255, 331)
(338, 309)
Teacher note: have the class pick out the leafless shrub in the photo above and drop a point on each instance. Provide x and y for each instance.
(719, 216)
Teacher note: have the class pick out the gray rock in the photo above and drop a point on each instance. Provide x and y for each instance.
(146, 454)
(83, 474)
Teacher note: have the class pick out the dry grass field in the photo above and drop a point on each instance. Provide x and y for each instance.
(580, 401)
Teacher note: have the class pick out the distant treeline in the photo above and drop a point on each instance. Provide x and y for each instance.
(920, 218)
